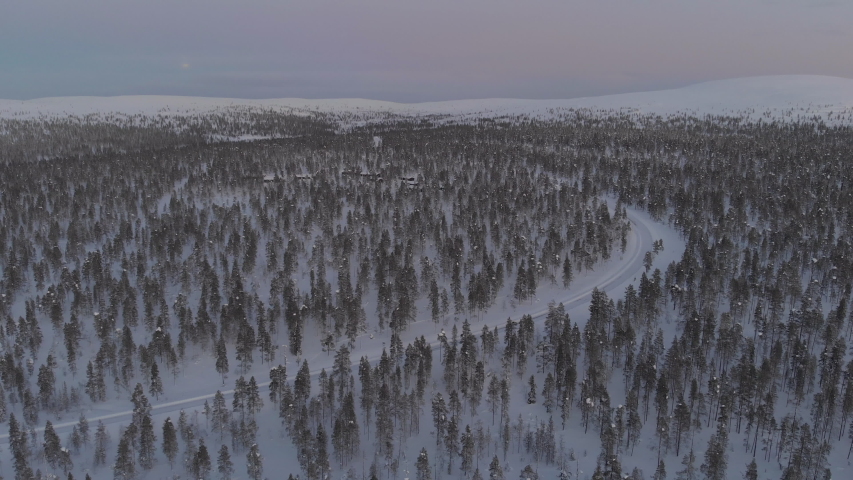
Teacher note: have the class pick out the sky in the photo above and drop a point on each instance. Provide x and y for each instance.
(410, 51)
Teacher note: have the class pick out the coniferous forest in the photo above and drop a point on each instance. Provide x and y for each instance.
(425, 298)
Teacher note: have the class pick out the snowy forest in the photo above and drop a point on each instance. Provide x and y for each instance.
(250, 295)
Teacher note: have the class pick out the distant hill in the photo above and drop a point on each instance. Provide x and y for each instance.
(791, 97)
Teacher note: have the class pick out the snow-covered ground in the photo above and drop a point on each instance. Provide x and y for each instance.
(789, 97)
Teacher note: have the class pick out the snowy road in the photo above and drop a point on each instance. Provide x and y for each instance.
(613, 282)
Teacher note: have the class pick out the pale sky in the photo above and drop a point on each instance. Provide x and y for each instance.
(410, 51)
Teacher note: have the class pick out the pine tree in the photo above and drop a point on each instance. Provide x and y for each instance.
(3, 408)
(451, 441)
(660, 472)
(366, 377)
(302, 384)
(345, 437)
(83, 428)
(467, 452)
(102, 443)
(527, 473)
(65, 462)
(715, 463)
(548, 393)
(221, 358)
(254, 463)
(52, 445)
(681, 422)
(156, 388)
(141, 407)
(531, 394)
(224, 464)
(384, 422)
(20, 450)
(751, 471)
(201, 463)
(295, 325)
(46, 383)
(494, 394)
(662, 432)
(31, 410)
(75, 440)
(434, 301)
(238, 403)
(170, 441)
(245, 346)
(220, 414)
(567, 272)
(321, 458)
(521, 291)
(147, 443)
(439, 416)
(689, 472)
(254, 402)
(495, 470)
(278, 377)
(95, 385)
(424, 472)
(124, 467)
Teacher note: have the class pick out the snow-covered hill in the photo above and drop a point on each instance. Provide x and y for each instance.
(792, 97)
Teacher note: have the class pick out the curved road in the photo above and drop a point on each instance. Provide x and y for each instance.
(623, 273)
